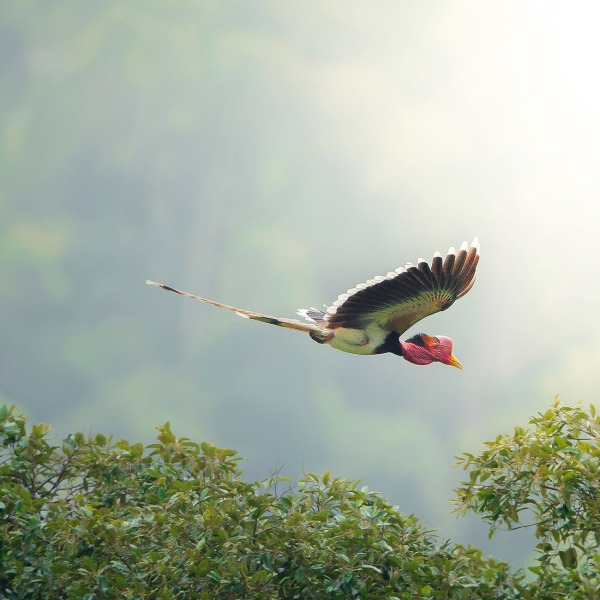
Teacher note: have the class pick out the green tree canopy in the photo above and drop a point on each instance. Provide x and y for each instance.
(91, 518)
(548, 478)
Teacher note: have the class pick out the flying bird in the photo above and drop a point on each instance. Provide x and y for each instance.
(370, 317)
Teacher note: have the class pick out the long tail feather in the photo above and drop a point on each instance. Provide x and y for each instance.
(247, 314)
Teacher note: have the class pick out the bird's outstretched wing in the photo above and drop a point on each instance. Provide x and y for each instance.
(408, 294)
(247, 314)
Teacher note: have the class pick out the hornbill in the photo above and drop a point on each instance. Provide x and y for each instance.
(370, 317)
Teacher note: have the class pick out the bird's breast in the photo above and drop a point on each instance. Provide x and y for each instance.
(358, 341)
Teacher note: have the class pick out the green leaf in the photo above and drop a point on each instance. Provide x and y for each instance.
(284, 503)
(568, 558)
(102, 583)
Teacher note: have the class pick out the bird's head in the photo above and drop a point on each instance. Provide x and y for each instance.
(423, 349)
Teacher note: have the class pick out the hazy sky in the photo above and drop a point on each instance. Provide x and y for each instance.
(272, 156)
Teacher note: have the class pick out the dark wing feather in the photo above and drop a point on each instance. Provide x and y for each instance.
(408, 294)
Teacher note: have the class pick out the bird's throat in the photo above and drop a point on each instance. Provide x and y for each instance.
(390, 344)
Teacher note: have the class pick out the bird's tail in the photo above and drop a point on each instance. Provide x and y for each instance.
(247, 314)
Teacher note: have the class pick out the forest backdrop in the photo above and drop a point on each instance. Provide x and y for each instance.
(271, 156)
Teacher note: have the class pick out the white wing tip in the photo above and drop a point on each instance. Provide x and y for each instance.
(464, 247)
(437, 254)
(150, 282)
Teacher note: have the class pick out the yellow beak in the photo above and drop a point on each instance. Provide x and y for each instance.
(452, 360)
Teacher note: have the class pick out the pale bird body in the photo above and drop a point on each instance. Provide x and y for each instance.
(369, 318)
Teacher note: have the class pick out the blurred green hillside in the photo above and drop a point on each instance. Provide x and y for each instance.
(271, 156)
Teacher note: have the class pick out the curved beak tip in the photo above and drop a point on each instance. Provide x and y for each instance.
(454, 362)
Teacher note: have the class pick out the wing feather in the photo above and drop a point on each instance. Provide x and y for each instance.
(409, 294)
(460, 260)
(436, 268)
(449, 263)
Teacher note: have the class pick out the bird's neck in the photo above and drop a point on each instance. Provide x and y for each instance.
(390, 344)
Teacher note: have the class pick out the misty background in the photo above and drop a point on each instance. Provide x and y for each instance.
(271, 155)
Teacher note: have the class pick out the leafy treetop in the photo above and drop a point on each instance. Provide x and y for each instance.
(547, 478)
(91, 518)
